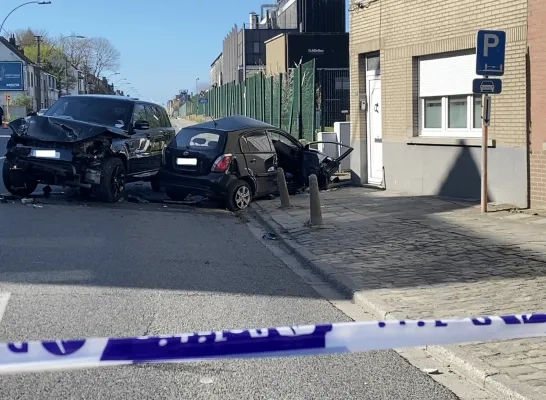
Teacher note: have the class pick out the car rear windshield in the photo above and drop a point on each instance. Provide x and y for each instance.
(109, 112)
(200, 139)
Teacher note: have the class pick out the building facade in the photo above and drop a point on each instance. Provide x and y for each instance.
(537, 99)
(216, 78)
(331, 54)
(24, 82)
(312, 16)
(415, 124)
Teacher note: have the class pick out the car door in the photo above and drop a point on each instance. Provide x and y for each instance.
(156, 136)
(261, 160)
(139, 145)
(289, 151)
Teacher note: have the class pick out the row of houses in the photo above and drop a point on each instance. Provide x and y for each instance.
(415, 123)
(18, 77)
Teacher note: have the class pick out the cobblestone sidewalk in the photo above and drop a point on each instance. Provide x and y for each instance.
(424, 257)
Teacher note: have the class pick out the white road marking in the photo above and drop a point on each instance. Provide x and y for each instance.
(5, 136)
(4, 298)
(1, 158)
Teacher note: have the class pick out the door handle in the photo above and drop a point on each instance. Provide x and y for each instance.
(253, 160)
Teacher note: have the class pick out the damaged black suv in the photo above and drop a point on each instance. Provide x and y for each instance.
(96, 143)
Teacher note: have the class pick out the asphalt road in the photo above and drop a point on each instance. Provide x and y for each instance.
(76, 269)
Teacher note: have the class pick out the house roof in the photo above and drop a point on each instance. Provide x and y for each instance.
(15, 51)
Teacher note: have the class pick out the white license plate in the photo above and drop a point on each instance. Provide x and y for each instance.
(186, 161)
(46, 153)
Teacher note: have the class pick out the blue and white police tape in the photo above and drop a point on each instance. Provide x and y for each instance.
(305, 340)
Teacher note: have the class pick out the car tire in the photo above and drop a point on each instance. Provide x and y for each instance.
(239, 196)
(156, 184)
(30, 184)
(112, 181)
(176, 195)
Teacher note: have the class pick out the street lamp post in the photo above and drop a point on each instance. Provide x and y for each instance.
(19, 6)
(197, 86)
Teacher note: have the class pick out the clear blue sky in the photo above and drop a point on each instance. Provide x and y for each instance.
(165, 44)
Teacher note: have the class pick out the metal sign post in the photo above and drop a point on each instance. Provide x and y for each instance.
(490, 58)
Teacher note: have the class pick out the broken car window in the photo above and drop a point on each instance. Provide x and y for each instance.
(258, 143)
(108, 112)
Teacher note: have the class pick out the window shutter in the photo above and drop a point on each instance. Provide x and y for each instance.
(446, 76)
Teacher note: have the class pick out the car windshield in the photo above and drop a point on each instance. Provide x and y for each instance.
(108, 112)
(200, 139)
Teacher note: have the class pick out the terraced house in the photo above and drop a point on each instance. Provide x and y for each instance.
(415, 124)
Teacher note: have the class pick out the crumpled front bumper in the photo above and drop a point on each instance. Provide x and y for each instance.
(51, 171)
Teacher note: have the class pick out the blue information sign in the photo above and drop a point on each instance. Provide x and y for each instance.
(11, 76)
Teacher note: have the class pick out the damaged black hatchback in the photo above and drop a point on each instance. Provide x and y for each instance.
(96, 143)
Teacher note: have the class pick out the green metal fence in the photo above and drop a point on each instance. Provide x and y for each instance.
(286, 101)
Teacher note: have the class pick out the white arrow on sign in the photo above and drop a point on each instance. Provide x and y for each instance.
(487, 111)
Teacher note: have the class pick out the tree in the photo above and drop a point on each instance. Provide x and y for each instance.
(97, 54)
(54, 61)
(24, 101)
(25, 37)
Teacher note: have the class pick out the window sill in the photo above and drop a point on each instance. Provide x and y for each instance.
(543, 146)
(450, 141)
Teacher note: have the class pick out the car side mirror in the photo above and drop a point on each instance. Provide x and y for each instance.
(32, 114)
(141, 124)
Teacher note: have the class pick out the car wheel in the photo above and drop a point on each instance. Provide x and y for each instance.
(156, 184)
(176, 195)
(112, 181)
(239, 196)
(30, 184)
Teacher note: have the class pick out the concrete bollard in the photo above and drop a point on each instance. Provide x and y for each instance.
(283, 189)
(314, 202)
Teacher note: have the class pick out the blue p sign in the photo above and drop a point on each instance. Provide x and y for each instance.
(490, 53)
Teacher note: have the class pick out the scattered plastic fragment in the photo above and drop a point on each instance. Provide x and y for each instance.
(269, 236)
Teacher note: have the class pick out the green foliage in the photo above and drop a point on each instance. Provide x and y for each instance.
(54, 61)
(23, 101)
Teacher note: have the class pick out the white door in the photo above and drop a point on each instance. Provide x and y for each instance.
(375, 132)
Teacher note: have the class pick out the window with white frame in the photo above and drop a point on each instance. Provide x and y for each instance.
(447, 106)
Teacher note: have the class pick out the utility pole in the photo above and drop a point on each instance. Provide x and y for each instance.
(66, 75)
(38, 73)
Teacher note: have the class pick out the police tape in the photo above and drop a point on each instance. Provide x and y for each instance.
(303, 340)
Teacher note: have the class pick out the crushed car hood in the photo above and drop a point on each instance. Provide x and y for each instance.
(55, 129)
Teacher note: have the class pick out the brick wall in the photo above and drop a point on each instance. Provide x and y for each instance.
(404, 30)
(537, 58)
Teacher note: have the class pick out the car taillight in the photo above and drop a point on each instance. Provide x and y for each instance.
(222, 163)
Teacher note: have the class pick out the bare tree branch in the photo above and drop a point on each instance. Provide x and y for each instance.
(104, 56)
(98, 54)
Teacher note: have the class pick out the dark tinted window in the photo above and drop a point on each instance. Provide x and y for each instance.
(139, 113)
(165, 121)
(103, 111)
(153, 116)
(257, 142)
(200, 139)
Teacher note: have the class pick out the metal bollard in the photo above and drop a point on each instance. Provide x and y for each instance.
(314, 202)
(283, 189)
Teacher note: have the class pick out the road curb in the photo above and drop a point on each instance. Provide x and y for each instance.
(468, 366)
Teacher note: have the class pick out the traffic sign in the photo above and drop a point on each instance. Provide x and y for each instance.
(487, 86)
(203, 100)
(487, 111)
(490, 52)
